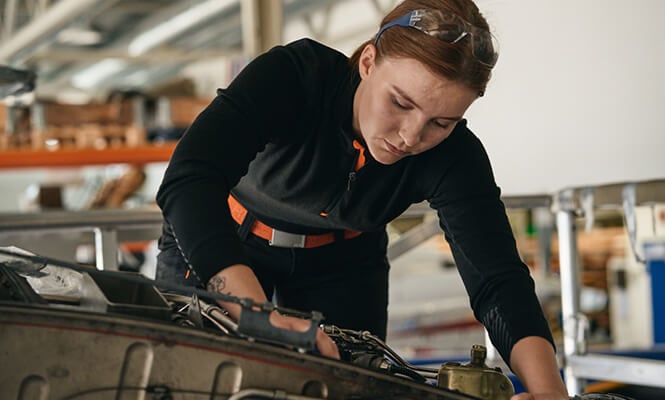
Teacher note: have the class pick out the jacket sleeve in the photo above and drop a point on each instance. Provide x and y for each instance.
(215, 152)
(474, 220)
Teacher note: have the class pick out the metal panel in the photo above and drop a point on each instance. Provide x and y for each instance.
(619, 369)
(142, 356)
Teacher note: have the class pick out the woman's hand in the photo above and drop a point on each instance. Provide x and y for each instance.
(239, 280)
(324, 343)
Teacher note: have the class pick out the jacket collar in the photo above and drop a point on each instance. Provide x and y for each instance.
(349, 85)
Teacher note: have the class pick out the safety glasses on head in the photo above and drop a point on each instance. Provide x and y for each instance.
(450, 28)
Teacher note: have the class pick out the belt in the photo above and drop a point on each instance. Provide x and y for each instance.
(279, 238)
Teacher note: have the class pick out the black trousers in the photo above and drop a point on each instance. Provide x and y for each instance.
(347, 280)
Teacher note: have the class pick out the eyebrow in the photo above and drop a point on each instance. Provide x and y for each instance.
(410, 100)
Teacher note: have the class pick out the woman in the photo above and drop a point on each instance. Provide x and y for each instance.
(285, 183)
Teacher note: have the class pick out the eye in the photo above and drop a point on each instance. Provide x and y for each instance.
(442, 125)
(398, 104)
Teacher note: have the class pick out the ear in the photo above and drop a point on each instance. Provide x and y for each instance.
(367, 61)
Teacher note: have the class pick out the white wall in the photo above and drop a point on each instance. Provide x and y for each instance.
(576, 97)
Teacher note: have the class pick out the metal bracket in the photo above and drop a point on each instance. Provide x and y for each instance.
(629, 202)
(581, 332)
(564, 201)
(586, 200)
(194, 311)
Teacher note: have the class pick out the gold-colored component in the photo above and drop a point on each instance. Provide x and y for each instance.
(476, 378)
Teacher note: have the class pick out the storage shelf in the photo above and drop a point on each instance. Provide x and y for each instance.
(81, 157)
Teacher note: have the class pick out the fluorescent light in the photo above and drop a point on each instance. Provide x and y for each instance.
(137, 78)
(177, 25)
(79, 36)
(96, 73)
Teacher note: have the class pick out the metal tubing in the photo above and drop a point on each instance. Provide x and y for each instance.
(106, 249)
(413, 238)
(570, 301)
(80, 220)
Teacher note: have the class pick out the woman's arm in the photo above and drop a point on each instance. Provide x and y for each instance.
(534, 361)
(265, 101)
(240, 281)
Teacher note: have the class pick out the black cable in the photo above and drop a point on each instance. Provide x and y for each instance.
(396, 369)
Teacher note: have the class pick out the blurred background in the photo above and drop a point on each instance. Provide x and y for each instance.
(575, 102)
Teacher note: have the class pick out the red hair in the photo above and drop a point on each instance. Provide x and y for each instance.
(453, 61)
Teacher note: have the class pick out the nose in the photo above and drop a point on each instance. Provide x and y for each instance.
(411, 132)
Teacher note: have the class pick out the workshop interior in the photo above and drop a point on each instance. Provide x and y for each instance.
(96, 95)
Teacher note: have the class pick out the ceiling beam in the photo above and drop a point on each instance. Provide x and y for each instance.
(162, 56)
(178, 25)
(44, 27)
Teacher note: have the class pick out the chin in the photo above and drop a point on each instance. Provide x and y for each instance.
(383, 156)
(387, 159)
(386, 162)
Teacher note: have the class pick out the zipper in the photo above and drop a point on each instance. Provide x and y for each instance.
(350, 178)
(352, 175)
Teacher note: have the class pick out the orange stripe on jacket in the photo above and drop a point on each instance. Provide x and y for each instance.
(360, 161)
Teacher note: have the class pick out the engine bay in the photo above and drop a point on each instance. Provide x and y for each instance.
(73, 332)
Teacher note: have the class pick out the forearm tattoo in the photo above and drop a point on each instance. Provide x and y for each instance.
(217, 284)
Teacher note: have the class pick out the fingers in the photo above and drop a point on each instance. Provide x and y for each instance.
(522, 396)
(326, 345)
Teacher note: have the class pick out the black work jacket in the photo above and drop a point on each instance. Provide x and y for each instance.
(280, 138)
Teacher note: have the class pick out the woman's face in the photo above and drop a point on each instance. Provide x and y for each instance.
(401, 108)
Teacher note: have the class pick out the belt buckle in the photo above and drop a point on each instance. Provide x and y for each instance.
(285, 239)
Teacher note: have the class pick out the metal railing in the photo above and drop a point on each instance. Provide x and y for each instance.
(109, 227)
(578, 363)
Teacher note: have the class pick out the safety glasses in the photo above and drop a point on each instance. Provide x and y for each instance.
(451, 29)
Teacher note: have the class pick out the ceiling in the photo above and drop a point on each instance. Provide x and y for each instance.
(95, 46)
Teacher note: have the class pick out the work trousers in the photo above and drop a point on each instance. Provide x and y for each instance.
(347, 281)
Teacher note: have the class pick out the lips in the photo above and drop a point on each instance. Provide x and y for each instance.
(395, 150)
